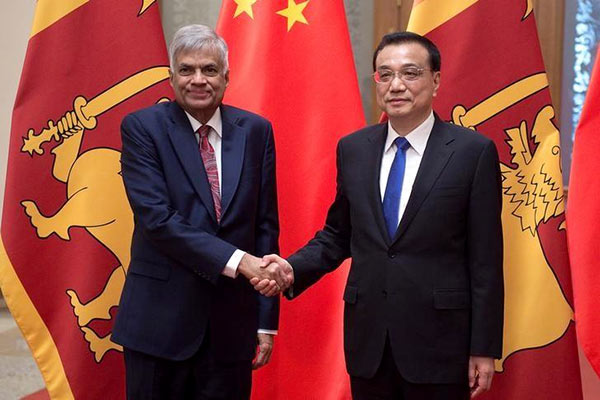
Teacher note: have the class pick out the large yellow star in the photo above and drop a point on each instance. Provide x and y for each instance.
(244, 6)
(293, 13)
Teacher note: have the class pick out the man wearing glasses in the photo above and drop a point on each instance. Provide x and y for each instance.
(417, 209)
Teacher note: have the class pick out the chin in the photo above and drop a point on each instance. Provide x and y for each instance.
(199, 105)
(394, 113)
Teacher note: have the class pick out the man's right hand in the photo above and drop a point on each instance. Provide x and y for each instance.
(274, 276)
(268, 287)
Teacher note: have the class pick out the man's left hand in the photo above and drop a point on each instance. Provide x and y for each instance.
(481, 371)
(265, 348)
(265, 287)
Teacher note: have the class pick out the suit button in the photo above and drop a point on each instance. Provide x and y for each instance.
(384, 293)
(392, 255)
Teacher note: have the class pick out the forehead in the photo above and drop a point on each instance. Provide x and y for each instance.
(403, 54)
(203, 56)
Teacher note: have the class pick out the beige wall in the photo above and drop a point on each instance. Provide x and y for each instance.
(15, 24)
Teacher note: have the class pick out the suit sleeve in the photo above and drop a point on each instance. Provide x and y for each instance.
(267, 231)
(330, 246)
(485, 253)
(164, 226)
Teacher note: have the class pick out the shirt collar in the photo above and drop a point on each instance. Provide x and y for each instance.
(417, 137)
(214, 122)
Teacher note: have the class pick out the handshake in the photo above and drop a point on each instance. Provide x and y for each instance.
(269, 275)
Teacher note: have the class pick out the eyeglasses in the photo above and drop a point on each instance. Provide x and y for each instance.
(406, 74)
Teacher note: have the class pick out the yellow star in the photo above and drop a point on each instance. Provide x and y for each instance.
(244, 6)
(293, 13)
(529, 9)
(145, 5)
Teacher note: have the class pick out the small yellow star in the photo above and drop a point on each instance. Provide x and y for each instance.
(145, 5)
(244, 6)
(293, 13)
(529, 9)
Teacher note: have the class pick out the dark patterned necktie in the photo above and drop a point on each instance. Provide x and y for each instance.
(210, 165)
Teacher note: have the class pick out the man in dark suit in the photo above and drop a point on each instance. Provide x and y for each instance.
(200, 177)
(417, 208)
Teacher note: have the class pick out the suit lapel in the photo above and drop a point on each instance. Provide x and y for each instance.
(232, 156)
(186, 148)
(373, 165)
(436, 156)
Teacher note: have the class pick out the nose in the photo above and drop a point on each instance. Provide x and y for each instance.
(198, 77)
(397, 84)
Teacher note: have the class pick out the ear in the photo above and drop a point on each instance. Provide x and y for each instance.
(436, 82)
(227, 78)
(171, 77)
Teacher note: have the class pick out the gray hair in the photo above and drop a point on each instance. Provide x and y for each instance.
(198, 37)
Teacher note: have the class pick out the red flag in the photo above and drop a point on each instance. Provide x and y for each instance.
(493, 80)
(291, 61)
(67, 225)
(583, 219)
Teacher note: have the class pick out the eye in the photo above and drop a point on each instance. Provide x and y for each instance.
(385, 75)
(411, 73)
(184, 71)
(210, 71)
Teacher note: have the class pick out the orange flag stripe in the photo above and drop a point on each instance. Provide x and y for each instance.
(35, 330)
(427, 15)
(47, 12)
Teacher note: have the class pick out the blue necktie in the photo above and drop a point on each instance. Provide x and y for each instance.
(393, 189)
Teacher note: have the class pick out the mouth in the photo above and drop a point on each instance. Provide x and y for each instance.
(397, 102)
(198, 94)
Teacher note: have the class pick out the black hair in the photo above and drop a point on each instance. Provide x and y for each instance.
(435, 58)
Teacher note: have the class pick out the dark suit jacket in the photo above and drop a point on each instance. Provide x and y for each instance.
(436, 288)
(174, 293)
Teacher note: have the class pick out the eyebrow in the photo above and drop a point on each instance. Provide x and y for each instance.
(186, 65)
(384, 66)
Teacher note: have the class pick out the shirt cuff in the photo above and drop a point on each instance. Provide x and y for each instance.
(267, 331)
(231, 268)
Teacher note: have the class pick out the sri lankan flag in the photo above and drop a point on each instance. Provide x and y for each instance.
(66, 225)
(291, 61)
(493, 81)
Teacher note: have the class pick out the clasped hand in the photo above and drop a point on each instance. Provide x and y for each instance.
(269, 275)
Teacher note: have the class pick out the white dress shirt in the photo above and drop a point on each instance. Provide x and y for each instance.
(417, 138)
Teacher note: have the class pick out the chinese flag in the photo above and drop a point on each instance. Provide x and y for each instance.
(493, 81)
(583, 217)
(291, 62)
(66, 226)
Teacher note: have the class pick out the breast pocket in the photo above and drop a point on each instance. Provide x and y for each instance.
(449, 201)
(251, 175)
